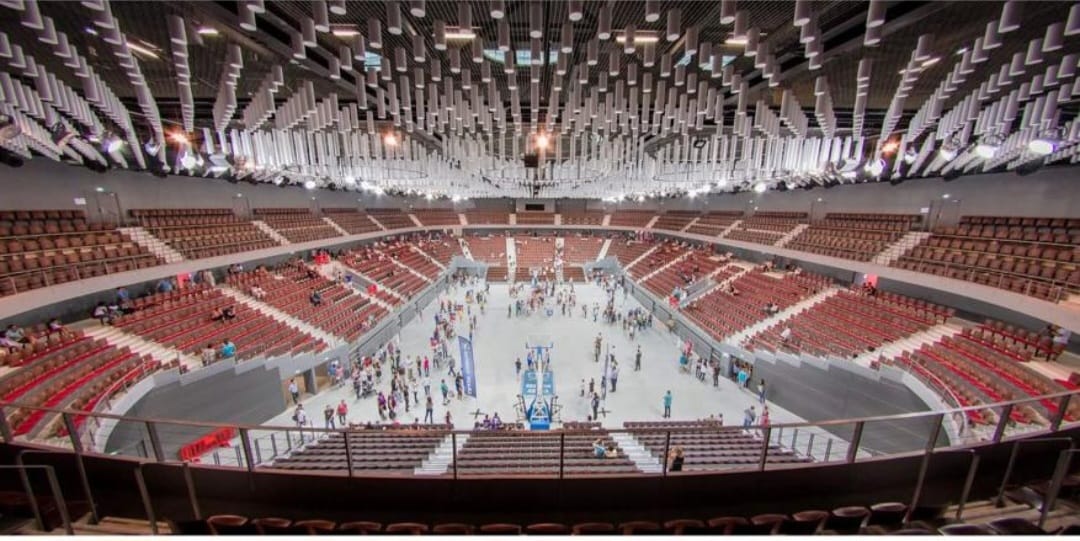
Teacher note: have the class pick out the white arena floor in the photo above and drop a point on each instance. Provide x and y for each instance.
(498, 341)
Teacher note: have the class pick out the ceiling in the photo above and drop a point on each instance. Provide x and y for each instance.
(267, 91)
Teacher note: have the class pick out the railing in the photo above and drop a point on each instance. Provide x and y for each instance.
(784, 445)
(1059, 289)
(10, 283)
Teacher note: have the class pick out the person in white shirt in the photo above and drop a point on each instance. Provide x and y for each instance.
(785, 334)
(209, 355)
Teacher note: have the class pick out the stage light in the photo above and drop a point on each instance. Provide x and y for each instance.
(309, 184)
(390, 139)
(541, 141)
(179, 137)
(890, 147)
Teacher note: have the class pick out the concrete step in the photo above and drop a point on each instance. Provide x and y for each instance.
(791, 235)
(415, 220)
(270, 311)
(138, 344)
(336, 227)
(376, 222)
(265, 228)
(897, 249)
(730, 228)
(691, 224)
(604, 249)
(641, 257)
(154, 245)
(429, 257)
(652, 222)
(681, 257)
(642, 457)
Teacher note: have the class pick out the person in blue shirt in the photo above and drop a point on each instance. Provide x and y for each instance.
(667, 405)
(228, 349)
(122, 295)
(164, 285)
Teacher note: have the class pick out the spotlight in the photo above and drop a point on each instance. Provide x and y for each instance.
(309, 184)
(890, 147)
(988, 147)
(541, 141)
(179, 137)
(390, 139)
(760, 187)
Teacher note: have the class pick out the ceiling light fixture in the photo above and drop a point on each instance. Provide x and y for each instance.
(207, 31)
(639, 38)
(145, 51)
(344, 32)
(460, 34)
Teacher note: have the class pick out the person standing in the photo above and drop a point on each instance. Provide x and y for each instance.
(294, 390)
(761, 391)
(342, 413)
(637, 360)
(749, 416)
(595, 405)
(429, 411)
(357, 385)
(328, 417)
(716, 374)
(445, 392)
(614, 377)
(299, 416)
(517, 366)
(667, 405)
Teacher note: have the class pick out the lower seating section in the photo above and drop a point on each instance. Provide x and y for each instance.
(496, 274)
(199, 233)
(538, 218)
(430, 217)
(766, 227)
(46, 247)
(663, 255)
(707, 450)
(676, 220)
(626, 251)
(534, 252)
(579, 250)
(632, 218)
(487, 217)
(442, 248)
(583, 218)
(403, 253)
(714, 223)
(391, 218)
(379, 266)
(697, 265)
(490, 249)
(1021, 344)
(351, 220)
(526, 452)
(74, 372)
(181, 319)
(853, 236)
(342, 313)
(297, 225)
(375, 451)
(846, 325)
(574, 274)
(726, 311)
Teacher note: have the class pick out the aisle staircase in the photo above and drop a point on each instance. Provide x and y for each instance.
(895, 349)
(152, 244)
(642, 458)
(606, 221)
(511, 259)
(440, 459)
(415, 220)
(641, 257)
(376, 222)
(604, 250)
(265, 228)
(782, 315)
(336, 227)
(137, 344)
(652, 222)
(661, 268)
(730, 228)
(691, 224)
(270, 311)
(790, 235)
(900, 247)
(331, 269)
(429, 257)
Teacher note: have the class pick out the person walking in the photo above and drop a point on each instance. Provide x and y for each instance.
(614, 377)
(749, 416)
(761, 391)
(357, 385)
(595, 405)
(342, 413)
(328, 417)
(299, 416)
(445, 392)
(294, 390)
(637, 360)
(667, 405)
(716, 374)
(429, 411)
(517, 366)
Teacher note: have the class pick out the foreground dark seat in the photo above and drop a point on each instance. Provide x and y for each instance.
(406, 528)
(230, 525)
(500, 529)
(726, 525)
(639, 527)
(453, 529)
(359, 528)
(547, 528)
(847, 520)
(912, 531)
(1016, 526)
(888, 515)
(965, 529)
(272, 526)
(804, 523)
(684, 526)
(314, 527)
(594, 528)
(766, 524)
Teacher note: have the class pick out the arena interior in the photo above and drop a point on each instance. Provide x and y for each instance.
(539, 267)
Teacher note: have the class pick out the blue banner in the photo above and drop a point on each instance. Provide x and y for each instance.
(468, 367)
